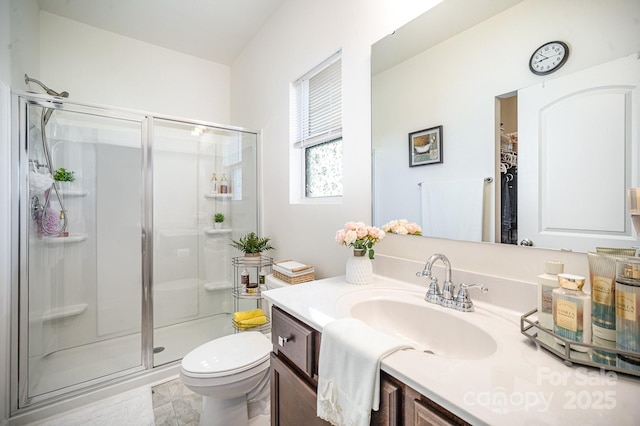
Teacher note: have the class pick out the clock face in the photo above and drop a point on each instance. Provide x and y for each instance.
(549, 57)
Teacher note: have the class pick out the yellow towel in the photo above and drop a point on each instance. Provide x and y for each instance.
(245, 315)
(250, 323)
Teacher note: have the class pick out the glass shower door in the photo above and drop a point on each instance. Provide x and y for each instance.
(192, 301)
(82, 266)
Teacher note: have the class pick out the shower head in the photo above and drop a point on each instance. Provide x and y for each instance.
(28, 80)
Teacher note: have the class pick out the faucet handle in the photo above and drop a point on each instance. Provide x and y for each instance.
(482, 287)
(463, 301)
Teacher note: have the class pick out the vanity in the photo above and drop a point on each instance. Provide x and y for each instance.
(294, 381)
(465, 368)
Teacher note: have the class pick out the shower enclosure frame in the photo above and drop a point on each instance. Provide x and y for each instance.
(20, 402)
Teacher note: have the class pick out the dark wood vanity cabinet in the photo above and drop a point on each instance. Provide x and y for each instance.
(294, 371)
(294, 380)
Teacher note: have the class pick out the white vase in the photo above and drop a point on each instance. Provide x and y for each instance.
(359, 269)
(217, 225)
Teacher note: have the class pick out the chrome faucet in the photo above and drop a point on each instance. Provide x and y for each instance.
(461, 302)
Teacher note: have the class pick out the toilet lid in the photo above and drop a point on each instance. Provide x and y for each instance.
(228, 355)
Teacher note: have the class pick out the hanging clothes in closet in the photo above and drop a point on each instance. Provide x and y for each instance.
(509, 194)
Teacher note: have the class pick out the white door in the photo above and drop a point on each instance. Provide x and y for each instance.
(577, 155)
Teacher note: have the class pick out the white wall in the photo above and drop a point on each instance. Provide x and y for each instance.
(105, 68)
(299, 36)
(296, 38)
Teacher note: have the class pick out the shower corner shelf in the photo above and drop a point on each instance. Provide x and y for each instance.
(64, 312)
(216, 286)
(218, 196)
(72, 238)
(212, 231)
(73, 193)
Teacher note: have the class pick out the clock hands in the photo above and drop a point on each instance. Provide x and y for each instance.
(544, 58)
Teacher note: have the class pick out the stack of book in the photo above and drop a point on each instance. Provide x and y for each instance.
(293, 272)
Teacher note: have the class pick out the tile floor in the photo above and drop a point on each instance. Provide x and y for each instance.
(132, 408)
(175, 405)
(166, 404)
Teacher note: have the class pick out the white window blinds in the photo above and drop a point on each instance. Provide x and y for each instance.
(316, 101)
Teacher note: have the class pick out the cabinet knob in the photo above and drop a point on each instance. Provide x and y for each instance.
(282, 340)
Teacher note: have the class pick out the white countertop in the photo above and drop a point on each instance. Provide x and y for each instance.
(518, 384)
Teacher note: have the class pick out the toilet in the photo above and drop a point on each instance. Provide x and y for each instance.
(228, 372)
(232, 375)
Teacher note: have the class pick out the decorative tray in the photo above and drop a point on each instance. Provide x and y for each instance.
(530, 327)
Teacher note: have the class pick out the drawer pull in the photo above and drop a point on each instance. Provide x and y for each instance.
(282, 340)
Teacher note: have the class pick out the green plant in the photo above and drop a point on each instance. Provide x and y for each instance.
(251, 243)
(63, 175)
(218, 218)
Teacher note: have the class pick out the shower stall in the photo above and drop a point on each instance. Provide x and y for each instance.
(117, 265)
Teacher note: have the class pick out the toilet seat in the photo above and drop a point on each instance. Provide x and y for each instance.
(227, 356)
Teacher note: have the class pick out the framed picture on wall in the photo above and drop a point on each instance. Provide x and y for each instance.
(425, 147)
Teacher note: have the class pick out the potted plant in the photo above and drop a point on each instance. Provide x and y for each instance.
(218, 218)
(63, 175)
(252, 245)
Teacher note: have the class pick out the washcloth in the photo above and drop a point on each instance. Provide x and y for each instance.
(349, 371)
(245, 315)
(250, 323)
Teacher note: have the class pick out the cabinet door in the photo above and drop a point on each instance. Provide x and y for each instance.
(293, 401)
(421, 411)
(424, 416)
(293, 339)
(390, 404)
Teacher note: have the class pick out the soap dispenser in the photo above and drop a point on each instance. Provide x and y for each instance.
(572, 311)
(546, 283)
(224, 184)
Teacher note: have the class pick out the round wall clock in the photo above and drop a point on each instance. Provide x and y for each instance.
(549, 57)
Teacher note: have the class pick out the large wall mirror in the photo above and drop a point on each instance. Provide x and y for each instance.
(523, 158)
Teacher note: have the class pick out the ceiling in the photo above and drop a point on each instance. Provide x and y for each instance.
(216, 30)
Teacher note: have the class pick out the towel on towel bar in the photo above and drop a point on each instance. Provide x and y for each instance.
(349, 371)
(453, 209)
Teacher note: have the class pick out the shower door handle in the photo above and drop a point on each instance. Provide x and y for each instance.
(144, 242)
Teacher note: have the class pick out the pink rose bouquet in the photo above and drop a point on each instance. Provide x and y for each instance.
(402, 227)
(359, 236)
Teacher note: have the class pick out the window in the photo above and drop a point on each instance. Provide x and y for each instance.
(316, 130)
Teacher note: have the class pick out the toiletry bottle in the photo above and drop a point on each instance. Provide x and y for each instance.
(244, 278)
(261, 277)
(546, 283)
(214, 184)
(572, 311)
(224, 184)
(628, 312)
(602, 278)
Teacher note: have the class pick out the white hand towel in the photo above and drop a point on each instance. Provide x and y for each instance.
(453, 209)
(349, 371)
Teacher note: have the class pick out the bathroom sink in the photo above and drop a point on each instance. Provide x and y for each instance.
(430, 328)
